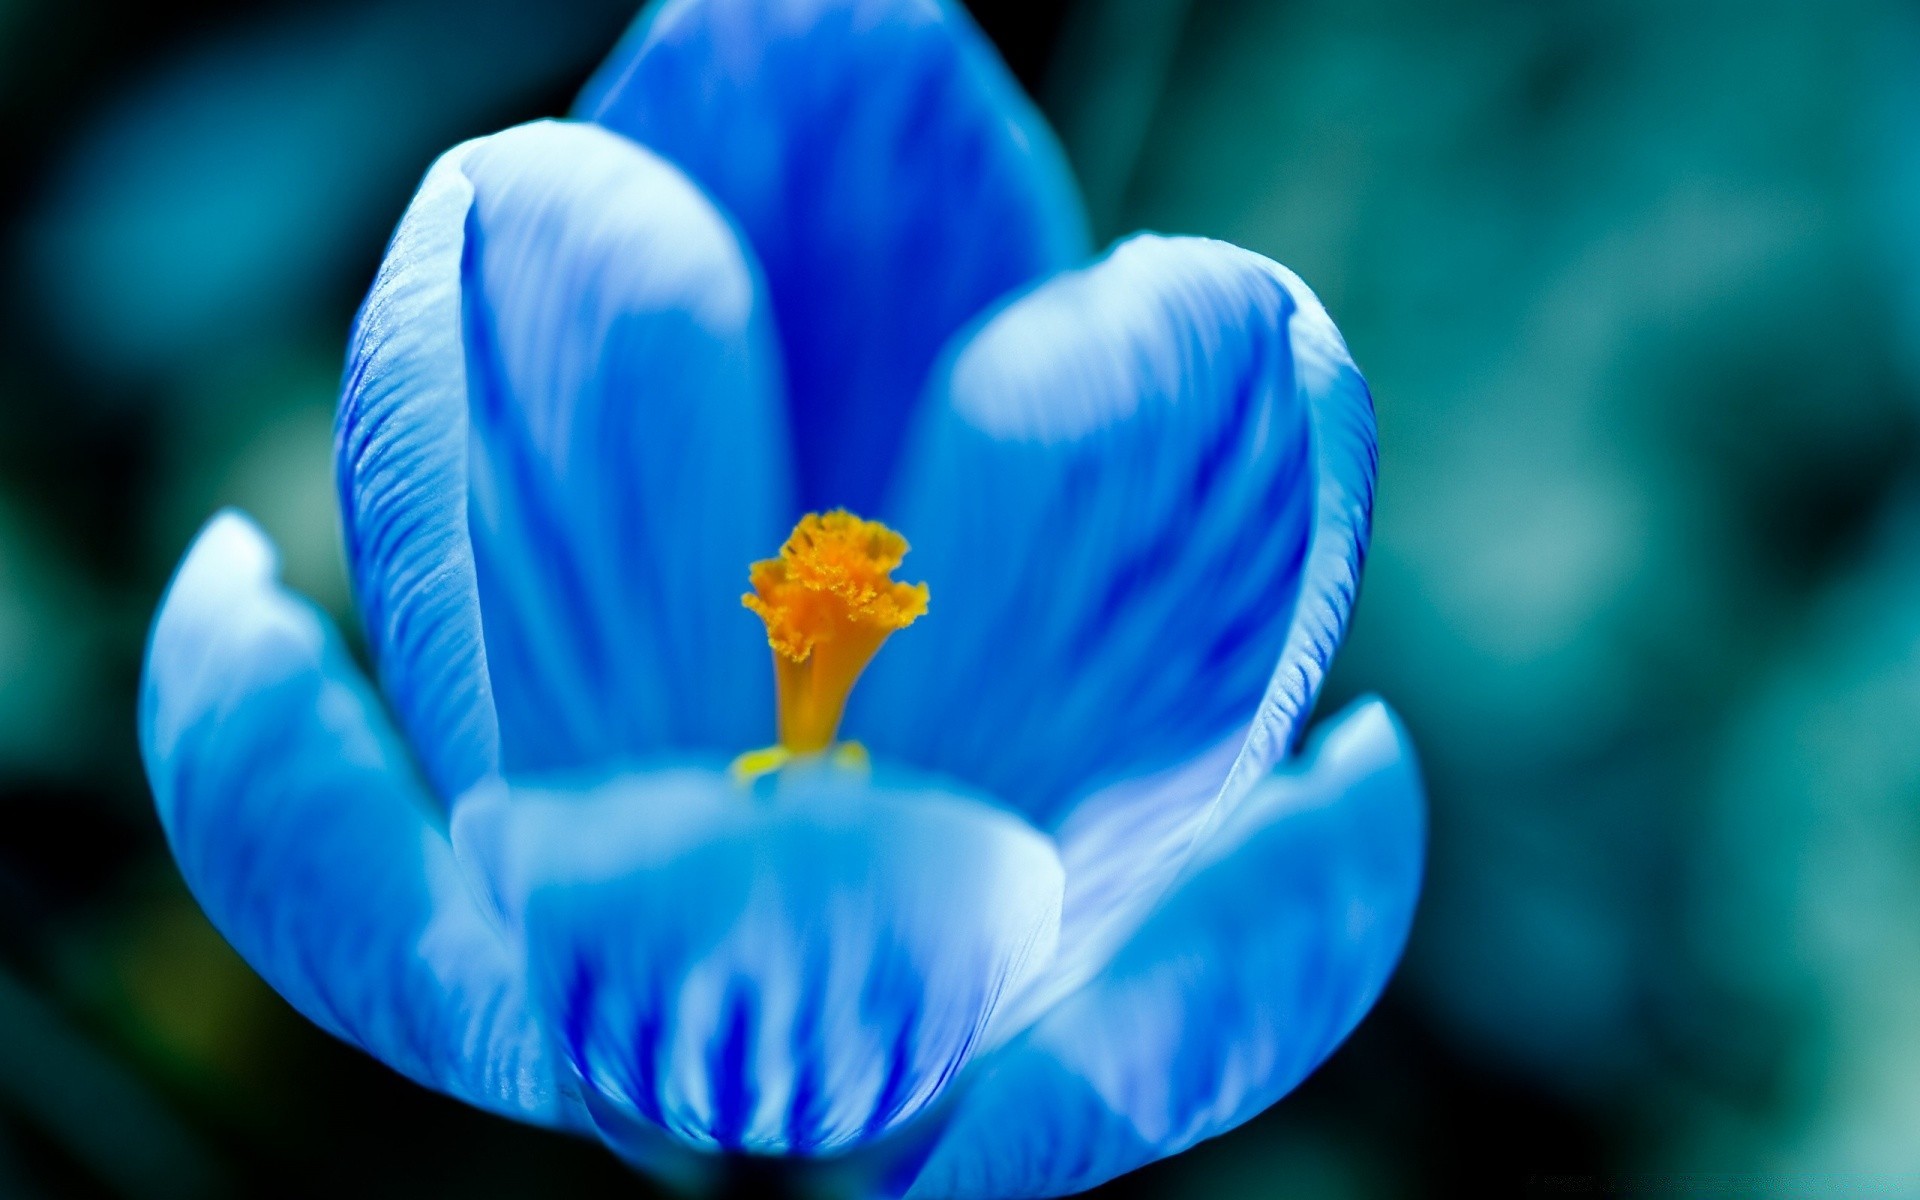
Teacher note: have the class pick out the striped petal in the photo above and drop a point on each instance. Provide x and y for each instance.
(1142, 505)
(1112, 500)
(295, 818)
(1272, 948)
(560, 440)
(887, 170)
(798, 973)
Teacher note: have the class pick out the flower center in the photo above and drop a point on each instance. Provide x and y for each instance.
(828, 601)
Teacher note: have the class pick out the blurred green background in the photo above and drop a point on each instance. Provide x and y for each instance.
(1637, 285)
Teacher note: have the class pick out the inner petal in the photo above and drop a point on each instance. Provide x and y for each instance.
(560, 435)
(889, 174)
(626, 454)
(1112, 496)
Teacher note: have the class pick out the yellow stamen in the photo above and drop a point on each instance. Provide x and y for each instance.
(828, 601)
(755, 763)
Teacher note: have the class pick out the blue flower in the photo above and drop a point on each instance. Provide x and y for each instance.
(1081, 902)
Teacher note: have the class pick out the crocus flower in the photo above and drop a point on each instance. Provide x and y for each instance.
(1058, 889)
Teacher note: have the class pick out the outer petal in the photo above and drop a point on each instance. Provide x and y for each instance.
(297, 823)
(794, 976)
(559, 443)
(1111, 502)
(886, 168)
(1266, 956)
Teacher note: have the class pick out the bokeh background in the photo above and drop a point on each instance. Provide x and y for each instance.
(1637, 284)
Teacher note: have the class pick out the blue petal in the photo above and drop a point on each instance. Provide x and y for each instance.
(297, 822)
(886, 168)
(560, 444)
(1112, 501)
(791, 974)
(1278, 940)
(1346, 459)
(1123, 847)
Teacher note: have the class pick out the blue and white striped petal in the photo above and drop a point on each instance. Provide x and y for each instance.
(1141, 500)
(560, 441)
(296, 819)
(1274, 945)
(1111, 499)
(886, 169)
(799, 973)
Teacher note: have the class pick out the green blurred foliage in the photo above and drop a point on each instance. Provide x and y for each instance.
(1637, 285)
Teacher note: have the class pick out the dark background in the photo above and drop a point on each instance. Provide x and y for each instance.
(1636, 286)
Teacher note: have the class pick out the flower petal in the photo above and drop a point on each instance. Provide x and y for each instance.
(1274, 945)
(1111, 501)
(296, 820)
(886, 168)
(560, 444)
(1346, 460)
(791, 975)
(400, 456)
(1090, 427)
